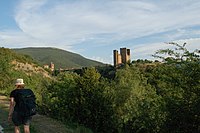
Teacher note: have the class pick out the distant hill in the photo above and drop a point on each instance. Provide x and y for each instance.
(61, 58)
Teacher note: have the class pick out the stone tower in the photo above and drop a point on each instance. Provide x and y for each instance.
(116, 58)
(125, 53)
(52, 67)
(123, 57)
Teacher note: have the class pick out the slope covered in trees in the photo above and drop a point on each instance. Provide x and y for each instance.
(61, 58)
(14, 65)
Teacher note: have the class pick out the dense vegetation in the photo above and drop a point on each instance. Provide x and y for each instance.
(8, 73)
(142, 97)
(61, 58)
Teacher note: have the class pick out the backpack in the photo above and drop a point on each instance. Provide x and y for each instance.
(27, 103)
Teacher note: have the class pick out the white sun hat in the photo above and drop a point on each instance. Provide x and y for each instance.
(19, 82)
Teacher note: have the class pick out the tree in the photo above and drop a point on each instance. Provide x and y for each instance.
(138, 107)
(178, 82)
(5, 66)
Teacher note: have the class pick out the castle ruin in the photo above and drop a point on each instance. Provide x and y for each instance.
(121, 58)
(51, 66)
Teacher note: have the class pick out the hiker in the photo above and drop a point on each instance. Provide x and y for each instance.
(17, 110)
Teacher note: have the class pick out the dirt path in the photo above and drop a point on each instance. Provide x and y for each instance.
(40, 123)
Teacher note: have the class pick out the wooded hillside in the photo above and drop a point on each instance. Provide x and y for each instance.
(61, 58)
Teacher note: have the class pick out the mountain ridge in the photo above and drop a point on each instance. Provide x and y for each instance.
(61, 58)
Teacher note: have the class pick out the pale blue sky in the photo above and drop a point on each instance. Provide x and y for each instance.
(94, 28)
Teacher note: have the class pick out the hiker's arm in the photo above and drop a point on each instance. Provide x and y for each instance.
(12, 103)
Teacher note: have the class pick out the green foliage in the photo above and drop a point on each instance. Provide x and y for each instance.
(144, 96)
(178, 82)
(80, 99)
(137, 105)
(5, 66)
(141, 61)
(117, 106)
(8, 74)
(178, 54)
(107, 71)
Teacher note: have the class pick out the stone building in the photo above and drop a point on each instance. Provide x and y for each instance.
(121, 58)
(51, 66)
